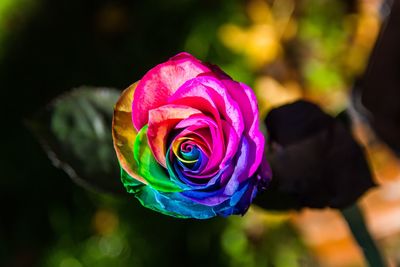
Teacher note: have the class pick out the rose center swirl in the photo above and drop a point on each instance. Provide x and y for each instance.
(187, 158)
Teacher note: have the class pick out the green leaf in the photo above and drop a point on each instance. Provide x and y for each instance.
(75, 132)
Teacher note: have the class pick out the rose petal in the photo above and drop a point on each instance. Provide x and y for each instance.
(124, 134)
(174, 204)
(232, 188)
(186, 179)
(247, 101)
(232, 143)
(161, 82)
(161, 121)
(207, 128)
(215, 93)
(241, 172)
(148, 168)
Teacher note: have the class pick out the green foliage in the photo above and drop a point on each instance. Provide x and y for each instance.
(264, 244)
(75, 131)
(323, 34)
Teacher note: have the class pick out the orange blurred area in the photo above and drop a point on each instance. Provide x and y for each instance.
(105, 222)
(327, 235)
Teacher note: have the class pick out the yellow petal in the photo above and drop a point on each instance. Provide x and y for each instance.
(124, 134)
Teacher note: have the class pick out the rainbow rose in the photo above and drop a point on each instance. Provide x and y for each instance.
(188, 141)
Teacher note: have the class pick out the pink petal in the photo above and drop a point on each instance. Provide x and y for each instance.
(208, 130)
(232, 143)
(160, 83)
(247, 101)
(214, 92)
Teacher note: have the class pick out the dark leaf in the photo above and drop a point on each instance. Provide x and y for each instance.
(307, 122)
(75, 131)
(315, 160)
(376, 95)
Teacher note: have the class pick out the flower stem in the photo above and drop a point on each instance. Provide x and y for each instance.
(355, 219)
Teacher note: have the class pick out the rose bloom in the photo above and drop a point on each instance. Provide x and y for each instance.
(188, 141)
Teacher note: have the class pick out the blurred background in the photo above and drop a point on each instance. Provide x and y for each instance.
(284, 49)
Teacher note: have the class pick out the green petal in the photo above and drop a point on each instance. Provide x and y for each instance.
(148, 167)
(131, 184)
